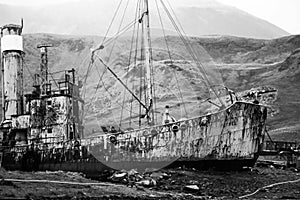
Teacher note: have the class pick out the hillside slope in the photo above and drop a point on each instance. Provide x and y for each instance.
(243, 63)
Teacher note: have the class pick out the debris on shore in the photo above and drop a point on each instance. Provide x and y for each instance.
(165, 184)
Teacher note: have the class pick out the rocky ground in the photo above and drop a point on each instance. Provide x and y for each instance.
(166, 184)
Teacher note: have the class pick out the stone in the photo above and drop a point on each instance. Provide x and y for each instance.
(147, 182)
(193, 182)
(159, 175)
(191, 187)
(120, 175)
(132, 172)
(144, 182)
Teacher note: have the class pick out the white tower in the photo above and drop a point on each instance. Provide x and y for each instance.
(12, 70)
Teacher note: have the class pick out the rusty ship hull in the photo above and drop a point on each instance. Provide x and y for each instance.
(227, 140)
(231, 138)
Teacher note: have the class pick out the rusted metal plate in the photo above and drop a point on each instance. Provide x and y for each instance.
(34, 133)
(54, 116)
(21, 122)
(57, 110)
(234, 133)
(12, 64)
(54, 134)
(36, 110)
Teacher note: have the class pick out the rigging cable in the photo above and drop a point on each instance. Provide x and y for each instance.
(185, 41)
(142, 83)
(105, 89)
(92, 62)
(112, 48)
(110, 94)
(53, 79)
(26, 66)
(182, 30)
(121, 22)
(114, 41)
(189, 48)
(135, 59)
(192, 51)
(81, 64)
(152, 91)
(114, 37)
(166, 41)
(129, 63)
(99, 47)
(112, 20)
(121, 82)
(110, 40)
(93, 53)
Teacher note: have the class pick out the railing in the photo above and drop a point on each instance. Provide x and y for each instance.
(282, 145)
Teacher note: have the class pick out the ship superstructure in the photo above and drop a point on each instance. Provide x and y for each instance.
(50, 114)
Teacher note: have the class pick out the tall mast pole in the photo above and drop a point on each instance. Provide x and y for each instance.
(44, 66)
(148, 63)
(2, 80)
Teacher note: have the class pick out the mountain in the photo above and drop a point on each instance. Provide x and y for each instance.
(243, 63)
(92, 17)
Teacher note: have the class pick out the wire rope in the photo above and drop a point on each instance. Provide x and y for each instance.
(26, 66)
(129, 63)
(114, 16)
(170, 57)
(141, 86)
(100, 46)
(191, 51)
(219, 71)
(90, 66)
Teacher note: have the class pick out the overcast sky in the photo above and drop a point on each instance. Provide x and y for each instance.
(282, 13)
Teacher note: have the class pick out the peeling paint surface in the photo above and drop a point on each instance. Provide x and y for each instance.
(56, 119)
(21, 122)
(57, 110)
(37, 112)
(53, 117)
(12, 84)
(234, 133)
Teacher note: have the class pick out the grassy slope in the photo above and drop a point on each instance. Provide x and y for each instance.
(244, 63)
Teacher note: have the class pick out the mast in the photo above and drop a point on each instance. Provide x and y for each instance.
(2, 80)
(44, 66)
(148, 64)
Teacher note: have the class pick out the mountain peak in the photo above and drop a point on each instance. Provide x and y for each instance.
(198, 17)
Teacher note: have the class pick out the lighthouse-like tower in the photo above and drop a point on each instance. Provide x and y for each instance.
(12, 70)
(14, 123)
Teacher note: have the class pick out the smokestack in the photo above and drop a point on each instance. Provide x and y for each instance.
(12, 70)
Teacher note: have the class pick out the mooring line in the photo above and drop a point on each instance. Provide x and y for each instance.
(268, 186)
